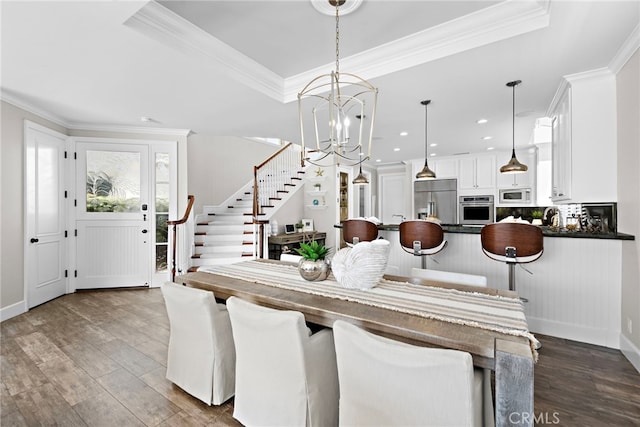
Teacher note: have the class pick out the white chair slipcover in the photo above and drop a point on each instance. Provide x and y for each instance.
(389, 383)
(201, 358)
(449, 277)
(284, 375)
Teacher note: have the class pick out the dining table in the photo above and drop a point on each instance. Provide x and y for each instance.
(488, 323)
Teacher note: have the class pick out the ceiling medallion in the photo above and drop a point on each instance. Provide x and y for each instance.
(329, 7)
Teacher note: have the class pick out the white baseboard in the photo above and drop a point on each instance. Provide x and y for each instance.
(13, 310)
(603, 337)
(630, 351)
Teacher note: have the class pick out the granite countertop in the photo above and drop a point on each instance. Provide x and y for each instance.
(546, 231)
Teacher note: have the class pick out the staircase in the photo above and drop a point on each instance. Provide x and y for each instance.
(227, 234)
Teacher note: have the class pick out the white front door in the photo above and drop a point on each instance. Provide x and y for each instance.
(46, 246)
(113, 215)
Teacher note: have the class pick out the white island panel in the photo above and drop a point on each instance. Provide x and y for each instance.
(574, 289)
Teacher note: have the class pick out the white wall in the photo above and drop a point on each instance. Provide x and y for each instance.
(219, 166)
(628, 175)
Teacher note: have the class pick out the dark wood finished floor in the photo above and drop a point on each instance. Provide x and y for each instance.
(98, 358)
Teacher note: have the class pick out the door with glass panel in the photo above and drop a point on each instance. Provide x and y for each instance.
(112, 215)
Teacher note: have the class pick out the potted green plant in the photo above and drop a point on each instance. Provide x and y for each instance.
(312, 266)
(299, 227)
(317, 186)
(537, 217)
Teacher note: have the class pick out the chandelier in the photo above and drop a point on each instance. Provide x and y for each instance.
(329, 106)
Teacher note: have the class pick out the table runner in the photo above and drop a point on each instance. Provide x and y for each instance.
(475, 309)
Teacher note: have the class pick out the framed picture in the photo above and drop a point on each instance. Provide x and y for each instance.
(307, 225)
(289, 229)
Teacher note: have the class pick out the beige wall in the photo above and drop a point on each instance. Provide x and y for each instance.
(218, 166)
(11, 196)
(628, 126)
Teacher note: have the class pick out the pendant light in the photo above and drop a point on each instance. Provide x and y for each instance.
(514, 166)
(426, 173)
(360, 179)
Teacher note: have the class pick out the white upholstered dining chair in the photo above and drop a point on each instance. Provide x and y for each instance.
(389, 383)
(284, 375)
(201, 357)
(449, 277)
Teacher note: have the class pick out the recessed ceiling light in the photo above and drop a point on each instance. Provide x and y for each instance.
(432, 154)
(481, 121)
(404, 133)
(433, 144)
(378, 160)
(490, 148)
(486, 138)
(396, 149)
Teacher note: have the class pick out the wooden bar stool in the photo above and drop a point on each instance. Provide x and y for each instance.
(359, 230)
(513, 243)
(421, 238)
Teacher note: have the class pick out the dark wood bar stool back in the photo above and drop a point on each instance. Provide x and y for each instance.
(513, 243)
(359, 230)
(421, 238)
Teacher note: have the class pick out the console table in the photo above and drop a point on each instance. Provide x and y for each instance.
(278, 242)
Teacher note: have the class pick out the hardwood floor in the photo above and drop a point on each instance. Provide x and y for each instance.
(98, 358)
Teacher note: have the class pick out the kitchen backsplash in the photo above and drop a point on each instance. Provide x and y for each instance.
(593, 217)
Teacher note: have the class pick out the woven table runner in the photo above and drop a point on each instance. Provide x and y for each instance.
(491, 312)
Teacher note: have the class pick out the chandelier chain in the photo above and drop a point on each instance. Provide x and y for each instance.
(337, 39)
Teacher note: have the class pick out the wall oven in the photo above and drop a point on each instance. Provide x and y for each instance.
(515, 195)
(476, 210)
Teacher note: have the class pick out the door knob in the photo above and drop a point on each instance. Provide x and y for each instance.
(34, 240)
(144, 231)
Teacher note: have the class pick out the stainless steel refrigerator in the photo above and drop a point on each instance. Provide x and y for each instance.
(437, 197)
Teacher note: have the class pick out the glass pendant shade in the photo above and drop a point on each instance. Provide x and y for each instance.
(514, 166)
(328, 107)
(426, 173)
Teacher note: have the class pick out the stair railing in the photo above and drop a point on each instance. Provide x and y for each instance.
(270, 177)
(175, 225)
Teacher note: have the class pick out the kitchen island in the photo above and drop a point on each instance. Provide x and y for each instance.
(574, 288)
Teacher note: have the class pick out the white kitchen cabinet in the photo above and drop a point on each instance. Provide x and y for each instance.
(476, 173)
(583, 114)
(446, 167)
(561, 147)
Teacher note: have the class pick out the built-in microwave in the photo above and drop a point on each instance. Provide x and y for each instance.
(515, 195)
(476, 210)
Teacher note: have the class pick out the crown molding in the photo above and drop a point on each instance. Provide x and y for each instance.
(498, 22)
(96, 127)
(162, 24)
(626, 51)
(20, 103)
